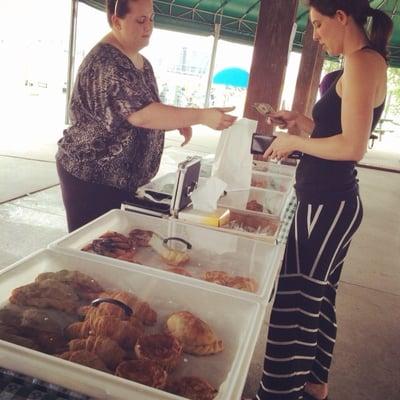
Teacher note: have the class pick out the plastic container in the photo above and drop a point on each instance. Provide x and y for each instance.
(280, 183)
(263, 201)
(235, 320)
(275, 168)
(212, 250)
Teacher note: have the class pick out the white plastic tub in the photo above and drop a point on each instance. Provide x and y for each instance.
(270, 201)
(235, 320)
(273, 167)
(270, 181)
(212, 250)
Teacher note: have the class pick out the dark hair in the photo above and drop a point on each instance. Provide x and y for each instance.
(381, 27)
(121, 11)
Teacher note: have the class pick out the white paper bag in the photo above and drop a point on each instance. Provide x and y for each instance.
(233, 160)
(206, 195)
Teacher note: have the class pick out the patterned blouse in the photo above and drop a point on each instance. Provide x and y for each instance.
(101, 146)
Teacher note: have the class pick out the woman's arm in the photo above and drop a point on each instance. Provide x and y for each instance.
(358, 102)
(161, 116)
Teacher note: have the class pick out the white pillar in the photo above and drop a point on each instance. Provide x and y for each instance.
(217, 32)
(71, 55)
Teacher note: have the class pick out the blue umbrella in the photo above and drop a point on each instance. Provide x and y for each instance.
(236, 77)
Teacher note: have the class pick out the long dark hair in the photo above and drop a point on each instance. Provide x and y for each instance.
(380, 29)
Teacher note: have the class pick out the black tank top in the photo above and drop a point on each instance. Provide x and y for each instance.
(317, 178)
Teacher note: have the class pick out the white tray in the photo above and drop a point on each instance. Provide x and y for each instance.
(271, 200)
(270, 181)
(236, 320)
(212, 250)
(276, 168)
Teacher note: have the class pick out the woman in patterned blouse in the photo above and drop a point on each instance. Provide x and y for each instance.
(116, 137)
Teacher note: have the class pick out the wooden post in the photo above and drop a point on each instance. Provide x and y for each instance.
(270, 56)
(308, 78)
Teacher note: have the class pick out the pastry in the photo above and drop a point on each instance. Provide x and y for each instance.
(125, 333)
(86, 358)
(237, 282)
(141, 309)
(84, 285)
(145, 372)
(195, 335)
(140, 237)
(46, 293)
(192, 388)
(106, 349)
(162, 348)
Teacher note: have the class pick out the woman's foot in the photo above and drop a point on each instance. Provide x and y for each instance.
(317, 390)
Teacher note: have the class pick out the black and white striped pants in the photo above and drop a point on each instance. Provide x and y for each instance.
(302, 328)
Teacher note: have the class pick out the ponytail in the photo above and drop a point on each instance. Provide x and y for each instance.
(380, 31)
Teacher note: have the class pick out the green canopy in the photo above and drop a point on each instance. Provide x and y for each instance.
(238, 19)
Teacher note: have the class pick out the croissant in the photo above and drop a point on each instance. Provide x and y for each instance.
(106, 349)
(164, 349)
(195, 335)
(192, 388)
(145, 372)
(141, 309)
(125, 333)
(86, 358)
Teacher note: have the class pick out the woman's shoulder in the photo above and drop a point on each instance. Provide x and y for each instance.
(367, 57)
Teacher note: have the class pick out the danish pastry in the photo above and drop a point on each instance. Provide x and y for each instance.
(162, 348)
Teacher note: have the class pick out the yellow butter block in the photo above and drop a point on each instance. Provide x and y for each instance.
(218, 217)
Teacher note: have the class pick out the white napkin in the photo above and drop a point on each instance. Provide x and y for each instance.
(207, 193)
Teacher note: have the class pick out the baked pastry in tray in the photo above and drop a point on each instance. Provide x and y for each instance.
(164, 349)
(193, 388)
(145, 372)
(195, 335)
(86, 358)
(237, 282)
(106, 349)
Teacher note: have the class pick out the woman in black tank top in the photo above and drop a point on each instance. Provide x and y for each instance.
(302, 328)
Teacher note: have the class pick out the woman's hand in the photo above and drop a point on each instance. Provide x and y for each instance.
(217, 118)
(284, 119)
(186, 133)
(282, 146)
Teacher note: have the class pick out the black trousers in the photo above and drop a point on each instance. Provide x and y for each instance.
(84, 201)
(302, 328)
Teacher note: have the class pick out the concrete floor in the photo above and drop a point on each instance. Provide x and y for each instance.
(367, 355)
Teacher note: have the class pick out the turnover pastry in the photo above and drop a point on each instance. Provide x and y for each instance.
(193, 388)
(105, 348)
(145, 372)
(46, 293)
(195, 335)
(86, 358)
(237, 282)
(84, 285)
(164, 349)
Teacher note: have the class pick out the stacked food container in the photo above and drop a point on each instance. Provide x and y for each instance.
(134, 306)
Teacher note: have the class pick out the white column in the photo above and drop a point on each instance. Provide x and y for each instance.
(217, 32)
(71, 55)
